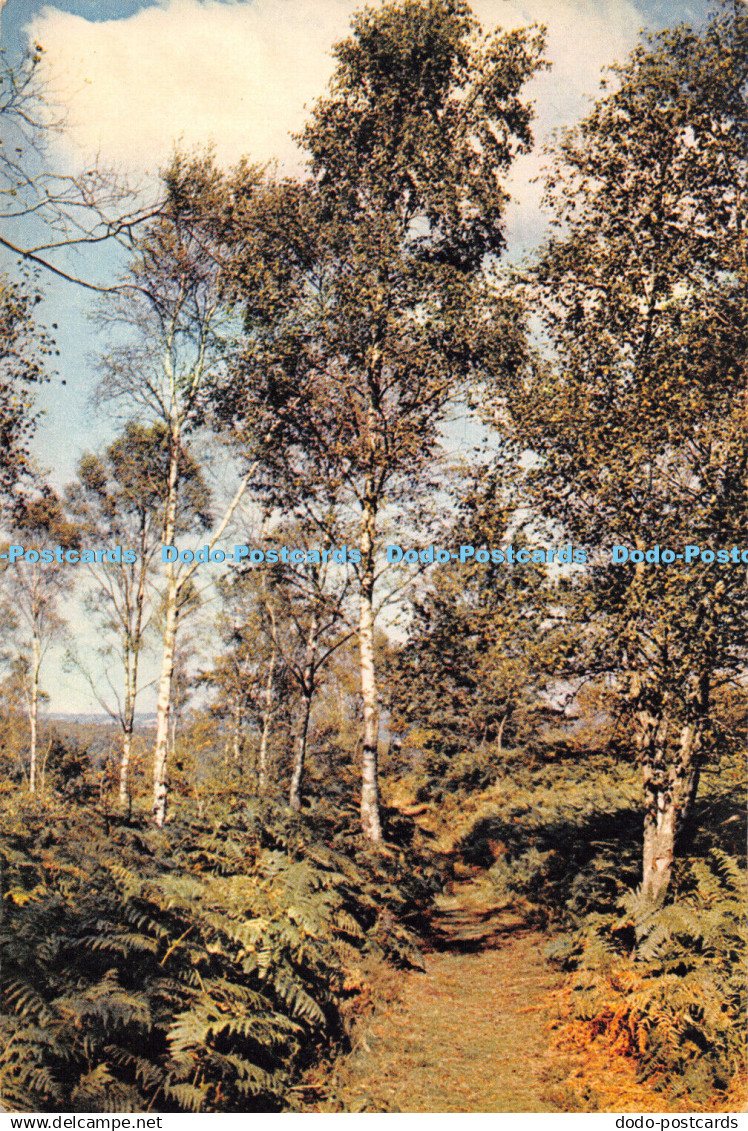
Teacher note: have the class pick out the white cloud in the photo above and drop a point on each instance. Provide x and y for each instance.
(235, 74)
(239, 74)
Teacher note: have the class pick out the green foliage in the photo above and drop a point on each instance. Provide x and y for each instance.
(120, 494)
(678, 1002)
(67, 767)
(569, 832)
(633, 405)
(473, 654)
(365, 286)
(195, 969)
(666, 986)
(568, 836)
(24, 349)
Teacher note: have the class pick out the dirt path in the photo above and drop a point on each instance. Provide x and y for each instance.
(467, 1035)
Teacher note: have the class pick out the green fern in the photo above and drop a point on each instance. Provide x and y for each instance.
(193, 969)
(679, 1003)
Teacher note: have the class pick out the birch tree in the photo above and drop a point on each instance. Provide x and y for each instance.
(119, 498)
(169, 361)
(365, 287)
(637, 413)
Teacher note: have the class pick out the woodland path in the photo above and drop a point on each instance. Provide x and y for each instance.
(467, 1035)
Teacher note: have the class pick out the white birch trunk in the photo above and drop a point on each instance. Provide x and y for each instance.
(132, 659)
(370, 819)
(124, 767)
(670, 783)
(34, 711)
(669, 794)
(302, 729)
(128, 724)
(163, 708)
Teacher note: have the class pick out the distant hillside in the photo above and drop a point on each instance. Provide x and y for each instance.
(98, 719)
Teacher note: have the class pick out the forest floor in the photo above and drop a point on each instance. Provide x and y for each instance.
(468, 1034)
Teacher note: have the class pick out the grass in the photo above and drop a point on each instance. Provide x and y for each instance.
(466, 1035)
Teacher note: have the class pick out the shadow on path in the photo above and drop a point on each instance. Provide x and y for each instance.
(467, 1035)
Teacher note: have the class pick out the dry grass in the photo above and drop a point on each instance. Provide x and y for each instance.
(468, 1035)
(593, 1073)
(485, 1032)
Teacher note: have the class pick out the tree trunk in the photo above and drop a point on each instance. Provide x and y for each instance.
(659, 842)
(267, 716)
(163, 708)
(133, 642)
(128, 725)
(34, 711)
(124, 766)
(299, 756)
(370, 820)
(302, 729)
(670, 784)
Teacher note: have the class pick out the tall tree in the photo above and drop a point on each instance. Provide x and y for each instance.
(25, 349)
(170, 363)
(365, 288)
(119, 498)
(638, 411)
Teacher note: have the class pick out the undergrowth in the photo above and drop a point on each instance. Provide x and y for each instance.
(667, 987)
(663, 989)
(199, 968)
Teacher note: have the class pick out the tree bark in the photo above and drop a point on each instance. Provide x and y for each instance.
(670, 784)
(370, 819)
(128, 724)
(33, 713)
(133, 642)
(34, 710)
(302, 729)
(299, 757)
(163, 709)
(267, 716)
(124, 766)
(160, 754)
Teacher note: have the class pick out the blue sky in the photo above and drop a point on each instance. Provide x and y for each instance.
(138, 76)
